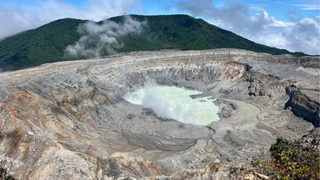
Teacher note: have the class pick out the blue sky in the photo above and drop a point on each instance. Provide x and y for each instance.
(289, 24)
(277, 8)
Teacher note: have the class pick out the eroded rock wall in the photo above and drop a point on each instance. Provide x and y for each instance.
(305, 103)
(68, 120)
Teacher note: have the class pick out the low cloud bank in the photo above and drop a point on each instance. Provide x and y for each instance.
(15, 18)
(97, 40)
(299, 34)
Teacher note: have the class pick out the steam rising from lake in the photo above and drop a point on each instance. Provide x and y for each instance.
(175, 103)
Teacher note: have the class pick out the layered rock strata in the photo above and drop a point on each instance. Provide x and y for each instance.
(68, 120)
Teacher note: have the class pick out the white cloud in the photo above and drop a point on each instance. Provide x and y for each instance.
(308, 7)
(257, 7)
(300, 34)
(96, 39)
(14, 19)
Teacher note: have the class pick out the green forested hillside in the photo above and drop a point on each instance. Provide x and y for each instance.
(42, 45)
(48, 43)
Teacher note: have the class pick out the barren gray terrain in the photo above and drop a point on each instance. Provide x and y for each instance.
(69, 120)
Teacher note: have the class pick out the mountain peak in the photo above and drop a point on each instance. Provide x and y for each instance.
(49, 42)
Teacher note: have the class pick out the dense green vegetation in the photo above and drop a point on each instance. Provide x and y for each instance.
(295, 161)
(291, 160)
(47, 43)
(42, 45)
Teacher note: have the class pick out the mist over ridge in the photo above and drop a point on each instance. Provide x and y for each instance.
(70, 39)
(100, 39)
(135, 90)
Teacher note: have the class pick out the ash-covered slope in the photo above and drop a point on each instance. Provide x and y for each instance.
(68, 120)
(86, 39)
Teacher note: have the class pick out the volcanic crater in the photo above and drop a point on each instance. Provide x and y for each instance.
(70, 119)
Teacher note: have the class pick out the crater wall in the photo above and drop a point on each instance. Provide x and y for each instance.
(68, 120)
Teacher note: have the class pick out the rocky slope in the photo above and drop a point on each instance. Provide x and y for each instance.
(68, 120)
